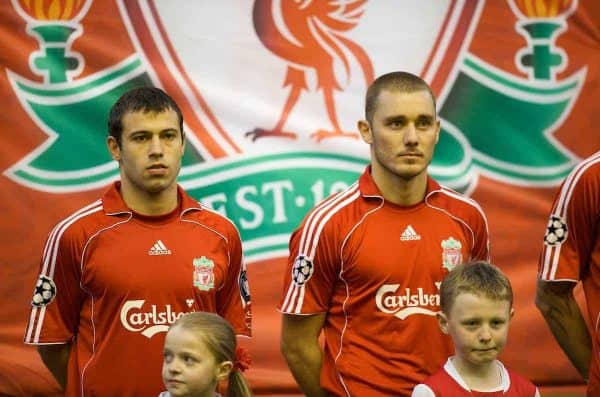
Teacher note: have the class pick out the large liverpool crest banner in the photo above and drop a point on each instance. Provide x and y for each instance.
(271, 91)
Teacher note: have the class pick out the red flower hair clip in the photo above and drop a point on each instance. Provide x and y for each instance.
(242, 359)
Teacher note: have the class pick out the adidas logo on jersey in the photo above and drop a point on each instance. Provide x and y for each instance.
(409, 234)
(159, 248)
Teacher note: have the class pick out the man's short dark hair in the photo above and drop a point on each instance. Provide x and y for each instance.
(394, 81)
(141, 99)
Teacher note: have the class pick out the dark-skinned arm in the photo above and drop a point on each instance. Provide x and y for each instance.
(56, 358)
(557, 304)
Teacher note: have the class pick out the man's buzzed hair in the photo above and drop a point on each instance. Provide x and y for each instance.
(394, 81)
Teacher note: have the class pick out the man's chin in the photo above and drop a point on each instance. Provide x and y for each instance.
(157, 187)
(409, 173)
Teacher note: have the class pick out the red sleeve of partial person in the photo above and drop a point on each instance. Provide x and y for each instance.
(574, 217)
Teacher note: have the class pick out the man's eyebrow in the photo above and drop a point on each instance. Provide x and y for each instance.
(139, 132)
(396, 117)
(142, 131)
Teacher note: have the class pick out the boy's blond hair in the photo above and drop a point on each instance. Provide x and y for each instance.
(478, 278)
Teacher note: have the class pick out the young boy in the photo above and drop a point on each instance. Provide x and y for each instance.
(476, 302)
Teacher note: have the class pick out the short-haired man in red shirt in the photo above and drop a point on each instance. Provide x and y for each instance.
(366, 264)
(571, 254)
(115, 274)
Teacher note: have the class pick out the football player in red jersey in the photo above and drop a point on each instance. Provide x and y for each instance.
(115, 274)
(365, 265)
(571, 254)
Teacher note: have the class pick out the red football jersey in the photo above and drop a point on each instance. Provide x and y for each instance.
(375, 268)
(111, 282)
(572, 246)
(447, 382)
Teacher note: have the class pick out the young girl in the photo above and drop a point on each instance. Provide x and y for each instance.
(200, 351)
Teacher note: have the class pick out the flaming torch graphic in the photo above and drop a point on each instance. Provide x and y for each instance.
(541, 21)
(55, 24)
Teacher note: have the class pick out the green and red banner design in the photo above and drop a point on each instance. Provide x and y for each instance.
(271, 92)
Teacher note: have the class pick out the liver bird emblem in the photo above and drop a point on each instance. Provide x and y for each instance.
(309, 36)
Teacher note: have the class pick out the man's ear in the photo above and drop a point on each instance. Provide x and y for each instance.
(113, 148)
(223, 370)
(442, 322)
(512, 313)
(365, 131)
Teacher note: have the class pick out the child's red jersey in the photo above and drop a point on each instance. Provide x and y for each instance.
(447, 382)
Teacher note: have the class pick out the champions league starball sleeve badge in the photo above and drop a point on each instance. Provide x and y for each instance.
(44, 293)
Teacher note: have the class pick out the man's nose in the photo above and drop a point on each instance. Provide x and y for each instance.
(156, 146)
(410, 135)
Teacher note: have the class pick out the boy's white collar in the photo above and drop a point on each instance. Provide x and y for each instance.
(503, 386)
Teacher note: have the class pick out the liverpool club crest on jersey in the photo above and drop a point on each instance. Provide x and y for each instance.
(204, 276)
(451, 253)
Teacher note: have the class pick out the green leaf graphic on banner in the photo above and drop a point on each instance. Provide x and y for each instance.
(507, 122)
(75, 118)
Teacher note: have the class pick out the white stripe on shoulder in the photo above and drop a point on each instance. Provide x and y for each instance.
(51, 249)
(551, 254)
(311, 245)
(49, 262)
(567, 189)
(311, 232)
(81, 265)
(313, 225)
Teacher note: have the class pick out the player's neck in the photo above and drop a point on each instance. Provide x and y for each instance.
(400, 191)
(149, 203)
(480, 377)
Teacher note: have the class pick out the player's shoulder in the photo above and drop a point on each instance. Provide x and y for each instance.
(212, 220)
(453, 202)
(336, 209)
(586, 173)
(85, 220)
(589, 166)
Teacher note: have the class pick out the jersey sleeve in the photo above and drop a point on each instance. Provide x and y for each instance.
(57, 296)
(311, 271)
(571, 230)
(422, 390)
(233, 299)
